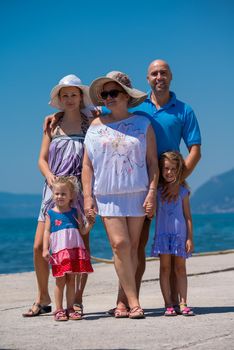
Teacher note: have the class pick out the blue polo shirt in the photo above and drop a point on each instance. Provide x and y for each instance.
(171, 123)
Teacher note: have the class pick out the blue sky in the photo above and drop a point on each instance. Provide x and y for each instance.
(41, 41)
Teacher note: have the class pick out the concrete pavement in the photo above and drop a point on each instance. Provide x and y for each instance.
(211, 294)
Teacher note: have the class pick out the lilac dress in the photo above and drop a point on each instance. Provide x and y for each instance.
(65, 158)
(171, 230)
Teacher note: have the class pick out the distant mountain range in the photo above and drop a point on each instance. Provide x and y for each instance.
(214, 196)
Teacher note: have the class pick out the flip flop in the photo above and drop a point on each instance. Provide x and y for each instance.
(40, 309)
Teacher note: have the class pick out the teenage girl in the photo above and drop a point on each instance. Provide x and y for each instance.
(61, 154)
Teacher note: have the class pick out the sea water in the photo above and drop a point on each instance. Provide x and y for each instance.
(211, 233)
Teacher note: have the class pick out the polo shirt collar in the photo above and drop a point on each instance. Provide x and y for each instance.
(171, 102)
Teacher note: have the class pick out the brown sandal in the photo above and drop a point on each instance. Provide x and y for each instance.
(38, 310)
(121, 312)
(136, 313)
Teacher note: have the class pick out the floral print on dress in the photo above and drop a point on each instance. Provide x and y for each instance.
(119, 145)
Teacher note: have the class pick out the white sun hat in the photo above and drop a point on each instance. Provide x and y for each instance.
(69, 80)
(123, 80)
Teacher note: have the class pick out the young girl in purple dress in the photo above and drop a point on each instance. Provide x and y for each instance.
(173, 233)
(63, 245)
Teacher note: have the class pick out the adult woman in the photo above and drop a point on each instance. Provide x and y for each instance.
(61, 154)
(120, 156)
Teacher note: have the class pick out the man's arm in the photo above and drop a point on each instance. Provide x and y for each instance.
(191, 160)
(51, 121)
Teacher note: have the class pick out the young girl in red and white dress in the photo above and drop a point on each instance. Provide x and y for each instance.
(63, 246)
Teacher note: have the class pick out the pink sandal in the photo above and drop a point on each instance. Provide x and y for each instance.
(185, 310)
(74, 315)
(60, 315)
(170, 311)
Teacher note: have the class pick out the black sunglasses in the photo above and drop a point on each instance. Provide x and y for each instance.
(111, 93)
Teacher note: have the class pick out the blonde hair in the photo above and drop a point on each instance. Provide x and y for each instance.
(173, 156)
(70, 181)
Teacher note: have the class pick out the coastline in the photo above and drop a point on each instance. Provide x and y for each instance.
(210, 278)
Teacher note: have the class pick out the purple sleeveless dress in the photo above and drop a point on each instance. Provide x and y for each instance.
(65, 158)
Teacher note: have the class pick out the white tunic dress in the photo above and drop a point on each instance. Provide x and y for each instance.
(117, 151)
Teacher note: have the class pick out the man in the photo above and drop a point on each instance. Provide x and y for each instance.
(172, 121)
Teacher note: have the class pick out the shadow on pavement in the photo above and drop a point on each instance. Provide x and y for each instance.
(213, 310)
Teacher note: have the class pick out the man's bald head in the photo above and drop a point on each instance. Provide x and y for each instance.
(157, 63)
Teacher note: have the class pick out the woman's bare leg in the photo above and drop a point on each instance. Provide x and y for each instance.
(41, 267)
(135, 225)
(42, 274)
(118, 230)
(144, 235)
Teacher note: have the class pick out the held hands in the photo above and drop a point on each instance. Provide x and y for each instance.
(189, 246)
(150, 204)
(86, 228)
(90, 212)
(90, 209)
(170, 192)
(46, 254)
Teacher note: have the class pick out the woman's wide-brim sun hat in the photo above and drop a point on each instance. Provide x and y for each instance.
(67, 81)
(95, 89)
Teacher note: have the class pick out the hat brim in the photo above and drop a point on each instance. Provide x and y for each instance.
(54, 95)
(95, 89)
